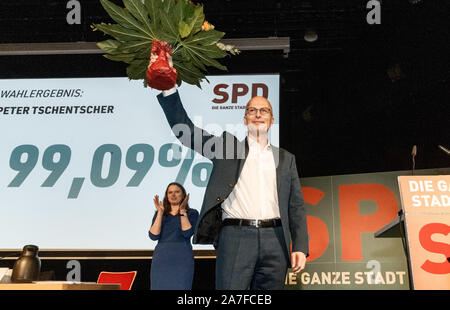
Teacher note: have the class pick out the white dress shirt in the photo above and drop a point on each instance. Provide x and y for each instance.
(169, 92)
(255, 195)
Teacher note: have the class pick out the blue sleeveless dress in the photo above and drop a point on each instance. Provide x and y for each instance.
(173, 258)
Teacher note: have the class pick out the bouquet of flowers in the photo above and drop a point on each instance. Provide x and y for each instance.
(163, 41)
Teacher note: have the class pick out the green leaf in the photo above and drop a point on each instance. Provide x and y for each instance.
(109, 46)
(153, 7)
(122, 34)
(188, 56)
(205, 37)
(179, 56)
(138, 10)
(189, 69)
(169, 28)
(123, 18)
(127, 58)
(204, 59)
(163, 35)
(167, 5)
(137, 69)
(181, 12)
(184, 29)
(188, 9)
(197, 19)
(135, 46)
(211, 51)
(188, 79)
(179, 80)
(144, 53)
(177, 12)
(192, 20)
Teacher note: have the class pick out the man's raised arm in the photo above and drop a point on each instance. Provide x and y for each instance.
(184, 129)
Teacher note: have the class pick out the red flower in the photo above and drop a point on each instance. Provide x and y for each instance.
(160, 74)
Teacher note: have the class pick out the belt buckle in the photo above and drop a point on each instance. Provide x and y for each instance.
(257, 224)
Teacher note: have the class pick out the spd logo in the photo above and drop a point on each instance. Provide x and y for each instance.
(225, 93)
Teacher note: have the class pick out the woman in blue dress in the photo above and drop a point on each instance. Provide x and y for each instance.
(173, 226)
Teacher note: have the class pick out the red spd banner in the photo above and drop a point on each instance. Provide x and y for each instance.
(426, 203)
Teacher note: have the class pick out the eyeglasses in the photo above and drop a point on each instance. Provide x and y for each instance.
(263, 111)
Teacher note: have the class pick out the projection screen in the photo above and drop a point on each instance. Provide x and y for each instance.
(82, 158)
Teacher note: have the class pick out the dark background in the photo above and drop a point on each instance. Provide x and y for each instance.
(342, 111)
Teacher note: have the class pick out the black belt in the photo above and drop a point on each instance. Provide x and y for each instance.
(253, 223)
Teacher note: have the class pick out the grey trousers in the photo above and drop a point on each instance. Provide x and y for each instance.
(251, 258)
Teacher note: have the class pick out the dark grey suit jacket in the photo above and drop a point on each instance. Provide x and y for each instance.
(228, 156)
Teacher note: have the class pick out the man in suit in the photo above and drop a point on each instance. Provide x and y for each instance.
(253, 207)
